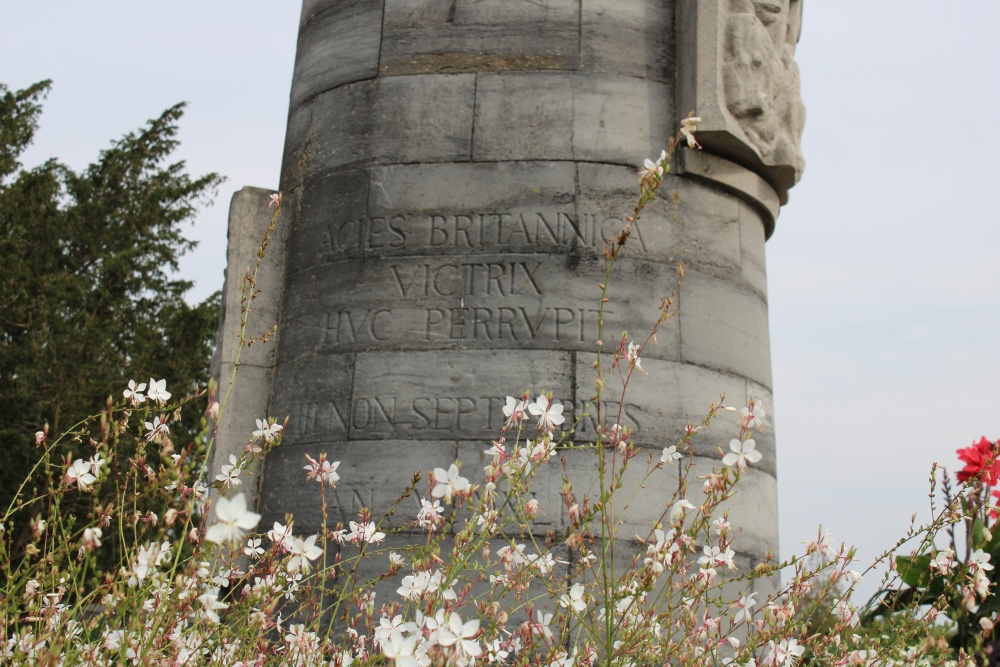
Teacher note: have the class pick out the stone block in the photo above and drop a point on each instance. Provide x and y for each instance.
(478, 208)
(331, 221)
(314, 392)
(448, 394)
(626, 37)
(298, 148)
(247, 403)
(338, 44)
(396, 119)
(438, 36)
(660, 404)
(724, 327)
(523, 117)
(374, 474)
(247, 399)
(249, 218)
(754, 265)
(619, 120)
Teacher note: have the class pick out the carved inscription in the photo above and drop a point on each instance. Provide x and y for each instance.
(472, 231)
(367, 416)
(470, 279)
(515, 324)
(484, 301)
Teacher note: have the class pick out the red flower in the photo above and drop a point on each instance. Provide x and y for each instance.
(982, 456)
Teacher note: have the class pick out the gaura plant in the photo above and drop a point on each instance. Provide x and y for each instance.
(482, 585)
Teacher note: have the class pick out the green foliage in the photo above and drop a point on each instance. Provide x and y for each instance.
(87, 299)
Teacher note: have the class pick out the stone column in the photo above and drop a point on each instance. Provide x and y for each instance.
(452, 171)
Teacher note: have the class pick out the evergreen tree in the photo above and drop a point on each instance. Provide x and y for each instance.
(87, 294)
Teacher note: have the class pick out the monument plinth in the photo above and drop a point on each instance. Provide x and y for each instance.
(452, 172)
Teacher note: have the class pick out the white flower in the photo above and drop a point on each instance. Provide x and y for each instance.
(95, 463)
(302, 552)
(280, 535)
(400, 650)
(156, 428)
(514, 410)
(158, 391)
(322, 471)
(275, 200)
(574, 600)
(460, 635)
(741, 453)
(134, 393)
(418, 583)
(449, 483)
(92, 538)
(430, 515)
(230, 476)
(549, 414)
(80, 473)
(210, 605)
(267, 431)
(652, 169)
(670, 454)
(784, 654)
(688, 126)
(716, 556)
(677, 510)
(365, 532)
(234, 519)
(253, 548)
(753, 416)
(633, 357)
(944, 561)
(980, 559)
(745, 606)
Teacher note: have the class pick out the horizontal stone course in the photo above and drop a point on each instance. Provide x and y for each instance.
(346, 34)
(424, 118)
(724, 327)
(626, 38)
(583, 117)
(517, 302)
(425, 36)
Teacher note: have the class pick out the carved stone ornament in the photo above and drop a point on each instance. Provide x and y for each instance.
(737, 71)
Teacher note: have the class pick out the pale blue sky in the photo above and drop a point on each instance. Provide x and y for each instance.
(884, 296)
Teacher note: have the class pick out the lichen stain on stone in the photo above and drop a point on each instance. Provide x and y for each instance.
(445, 63)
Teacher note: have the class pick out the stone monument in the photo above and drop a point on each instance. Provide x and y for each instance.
(452, 171)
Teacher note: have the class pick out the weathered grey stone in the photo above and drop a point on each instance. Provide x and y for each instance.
(619, 119)
(753, 264)
(480, 302)
(338, 45)
(455, 170)
(244, 373)
(724, 327)
(331, 221)
(625, 37)
(374, 474)
(523, 116)
(660, 404)
(388, 120)
(445, 36)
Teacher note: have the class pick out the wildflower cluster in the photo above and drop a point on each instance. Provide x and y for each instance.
(483, 581)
